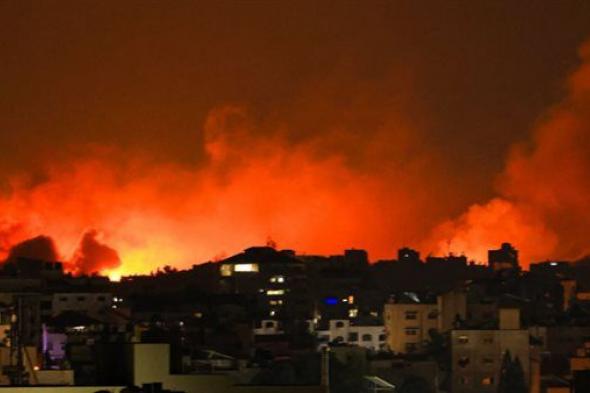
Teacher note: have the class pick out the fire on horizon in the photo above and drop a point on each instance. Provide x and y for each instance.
(137, 135)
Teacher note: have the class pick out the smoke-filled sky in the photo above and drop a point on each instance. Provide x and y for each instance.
(139, 134)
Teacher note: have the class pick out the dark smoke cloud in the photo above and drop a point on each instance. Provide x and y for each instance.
(93, 256)
(40, 247)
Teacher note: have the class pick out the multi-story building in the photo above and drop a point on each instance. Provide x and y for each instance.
(342, 331)
(84, 302)
(477, 355)
(408, 322)
(504, 258)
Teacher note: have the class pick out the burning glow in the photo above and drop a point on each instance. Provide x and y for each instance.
(544, 192)
(377, 187)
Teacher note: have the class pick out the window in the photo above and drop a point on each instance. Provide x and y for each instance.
(411, 331)
(353, 313)
(353, 336)
(487, 381)
(81, 298)
(463, 361)
(411, 314)
(269, 324)
(63, 299)
(382, 337)
(462, 340)
(275, 292)
(433, 314)
(246, 267)
(339, 324)
(367, 337)
(411, 347)
(339, 339)
(225, 270)
(277, 279)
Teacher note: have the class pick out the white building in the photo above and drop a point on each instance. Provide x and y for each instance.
(85, 302)
(342, 331)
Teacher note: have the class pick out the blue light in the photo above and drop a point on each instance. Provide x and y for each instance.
(331, 300)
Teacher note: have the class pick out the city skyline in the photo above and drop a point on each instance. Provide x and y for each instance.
(145, 135)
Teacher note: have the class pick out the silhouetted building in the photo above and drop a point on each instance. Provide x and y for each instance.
(506, 257)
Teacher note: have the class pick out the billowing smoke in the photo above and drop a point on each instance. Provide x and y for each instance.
(40, 247)
(93, 256)
(543, 194)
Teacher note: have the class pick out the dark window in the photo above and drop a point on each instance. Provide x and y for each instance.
(269, 324)
(411, 314)
(63, 299)
(367, 337)
(353, 336)
(463, 361)
(339, 324)
(382, 337)
(411, 347)
(411, 331)
(81, 298)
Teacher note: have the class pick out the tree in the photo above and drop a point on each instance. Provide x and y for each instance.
(511, 376)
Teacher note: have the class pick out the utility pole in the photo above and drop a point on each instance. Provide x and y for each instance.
(325, 379)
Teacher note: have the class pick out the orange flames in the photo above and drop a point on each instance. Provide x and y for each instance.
(544, 192)
(121, 213)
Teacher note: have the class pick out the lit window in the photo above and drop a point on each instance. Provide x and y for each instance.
(463, 339)
(353, 313)
(277, 279)
(350, 299)
(246, 267)
(275, 292)
(225, 270)
(487, 381)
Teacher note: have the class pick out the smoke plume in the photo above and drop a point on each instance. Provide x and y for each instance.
(544, 191)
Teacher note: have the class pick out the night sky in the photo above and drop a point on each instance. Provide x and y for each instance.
(176, 132)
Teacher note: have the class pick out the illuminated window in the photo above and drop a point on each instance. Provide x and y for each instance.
(487, 381)
(463, 339)
(275, 292)
(277, 279)
(353, 313)
(246, 267)
(225, 270)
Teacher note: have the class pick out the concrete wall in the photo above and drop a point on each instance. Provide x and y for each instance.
(399, 328)
(477, 355)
